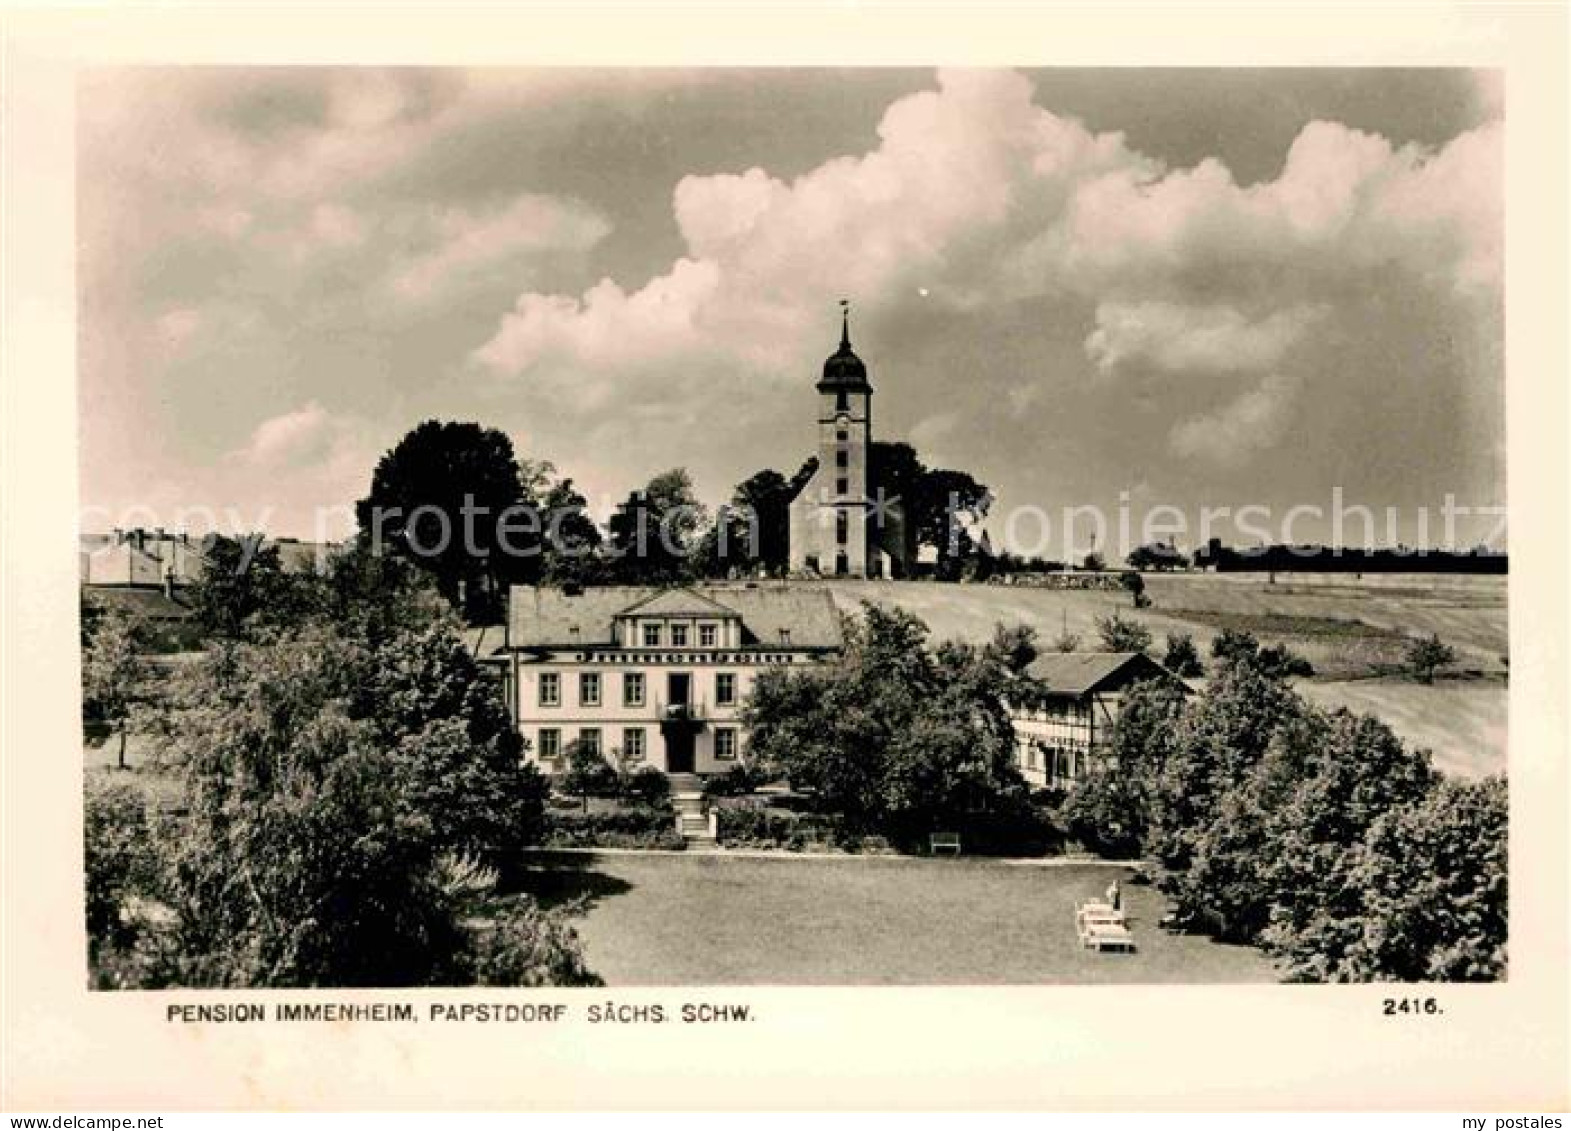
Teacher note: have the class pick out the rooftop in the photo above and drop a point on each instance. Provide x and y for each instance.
(772, 615)
(1080, 673)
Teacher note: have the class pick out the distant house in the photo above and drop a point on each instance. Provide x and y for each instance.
(657, 674)
(1056, 738)
(143, 572)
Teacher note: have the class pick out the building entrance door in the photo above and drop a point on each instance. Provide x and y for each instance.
(679, 749)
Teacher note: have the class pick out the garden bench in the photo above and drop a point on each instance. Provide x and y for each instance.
(945, 842)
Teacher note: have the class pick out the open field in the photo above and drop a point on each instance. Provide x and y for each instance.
(1352, 629)
(711, 919)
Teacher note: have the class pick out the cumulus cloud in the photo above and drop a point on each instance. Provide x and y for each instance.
(1175, 337)
(1253, 422)
(978, 196)
(301, 436)
(465, 242)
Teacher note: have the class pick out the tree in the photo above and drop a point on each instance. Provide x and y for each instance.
(1182, 658)
(1219, 739)
(757, 524)
(329, 782)
(1137, 588)
(1066, 641)
(1120, 634)
(571, 541)
(119, 862)
(899, 738)
(1093, 562)
(1421, 897)
(1156, 555)
(242, 587)
(113, 674)
(439, 497)
(1272, 851)
(1109, 810)
(588, 773)
(656, 533)
(938, 504)
(1232, 646)
(1428, 655)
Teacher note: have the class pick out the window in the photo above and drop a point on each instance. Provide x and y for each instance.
(633, 744)
(842, 526)
(785, 636)
(706, 636)
(842, 401)
(725, 688)
(589, 739)
(550, 689)
(632, 689)
(842, 458)
(725, 744)
(589, 689)
(679, 636)
(841, 435)
(651, 636)
(550, 744)
(842, 486)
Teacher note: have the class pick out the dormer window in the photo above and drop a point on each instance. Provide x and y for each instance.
(679, 636)
(785, 636)
(706, 636)
(651, 635)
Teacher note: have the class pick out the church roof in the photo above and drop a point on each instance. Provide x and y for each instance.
(772, 615)
(843, 369)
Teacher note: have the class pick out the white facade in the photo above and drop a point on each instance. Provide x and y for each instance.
(660, 681)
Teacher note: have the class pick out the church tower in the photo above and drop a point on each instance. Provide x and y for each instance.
(836, 527)
(845, 433)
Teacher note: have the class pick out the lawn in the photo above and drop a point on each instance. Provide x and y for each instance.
(714, 919)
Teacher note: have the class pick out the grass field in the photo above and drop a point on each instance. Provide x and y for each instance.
(713, 919)
(1354, 630)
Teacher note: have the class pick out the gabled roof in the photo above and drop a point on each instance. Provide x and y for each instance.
(546, 617)
(678, 603)
(150, 604)
(1082, 673)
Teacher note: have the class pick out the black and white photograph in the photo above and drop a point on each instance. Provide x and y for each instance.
(794, 526)
(844, 557)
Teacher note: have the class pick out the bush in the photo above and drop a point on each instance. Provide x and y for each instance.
(647, 786)
(1121, 634)
(526, 946)
(1183, 658)
(735, 782)
(782, 829)
(627, 828)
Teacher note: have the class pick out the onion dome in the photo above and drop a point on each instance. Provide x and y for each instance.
(844, 370)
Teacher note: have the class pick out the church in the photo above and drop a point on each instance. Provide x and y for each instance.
(842, 525)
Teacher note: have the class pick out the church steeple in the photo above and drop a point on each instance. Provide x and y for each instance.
(844, 371)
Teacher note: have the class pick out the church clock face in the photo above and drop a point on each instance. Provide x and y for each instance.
(843, 419)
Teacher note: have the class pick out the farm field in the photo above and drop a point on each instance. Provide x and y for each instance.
(712, 919)
(1352, 629)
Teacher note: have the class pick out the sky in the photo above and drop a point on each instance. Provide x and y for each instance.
(1112, 288)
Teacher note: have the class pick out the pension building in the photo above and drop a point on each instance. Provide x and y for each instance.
(657, 675)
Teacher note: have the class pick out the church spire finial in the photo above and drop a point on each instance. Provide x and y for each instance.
(845, 324)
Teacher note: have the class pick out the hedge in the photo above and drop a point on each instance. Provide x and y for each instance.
(625, 828)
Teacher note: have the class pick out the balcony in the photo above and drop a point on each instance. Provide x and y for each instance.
(682, 712)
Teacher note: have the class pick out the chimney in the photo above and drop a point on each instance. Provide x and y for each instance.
(169, 582)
